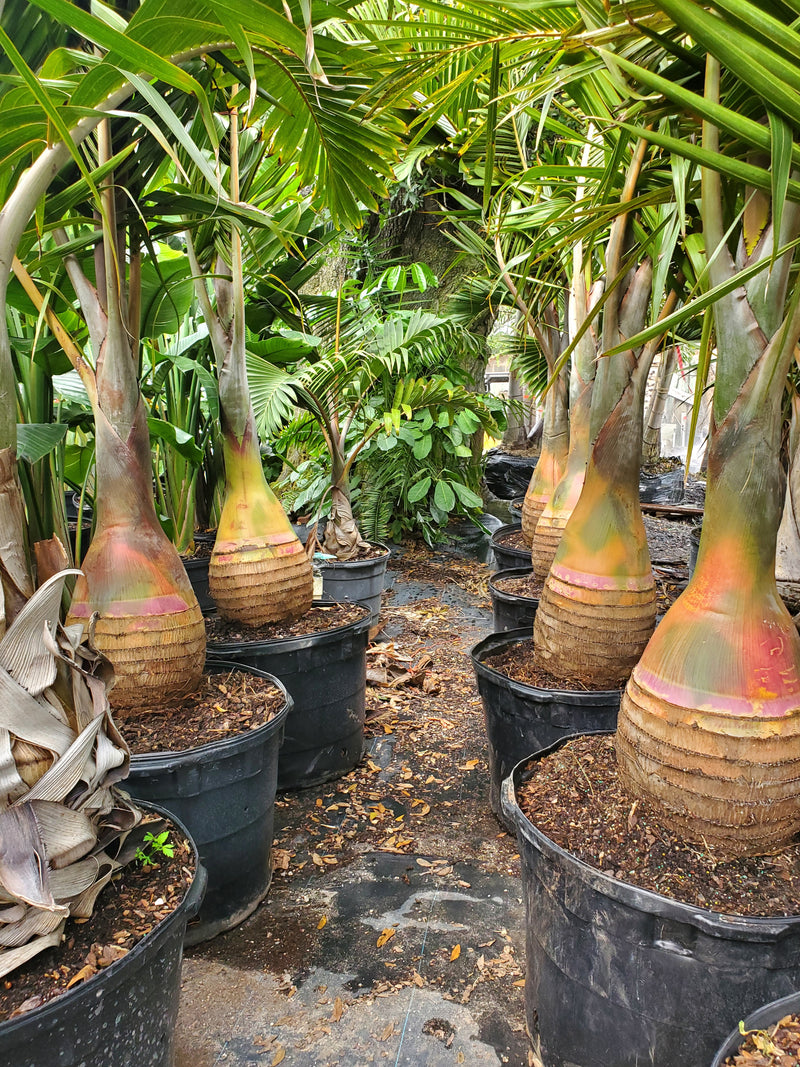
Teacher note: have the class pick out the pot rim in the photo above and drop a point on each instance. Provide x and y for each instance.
(712, 923)
(511, 572)
(212, 750)
(297, 642)
(335, 563)
(767, 1015)
(517, 636)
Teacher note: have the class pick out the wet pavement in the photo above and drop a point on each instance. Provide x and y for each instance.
(373, 947)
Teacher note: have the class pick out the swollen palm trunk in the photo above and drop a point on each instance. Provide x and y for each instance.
(259, 572)
(597, 609)
(709, 727)
(147, 619)
(552, 460)
(556, 513)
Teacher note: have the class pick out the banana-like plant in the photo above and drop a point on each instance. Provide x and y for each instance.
(62, 822)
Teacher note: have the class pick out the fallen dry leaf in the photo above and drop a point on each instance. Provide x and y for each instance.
(85, 972)
(387, 935)
(279, 1057)
(280, 859)
(387, 1033)
(322, 922)
(455, 953)
(338, 1009)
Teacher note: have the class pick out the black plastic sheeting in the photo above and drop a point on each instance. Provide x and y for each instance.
(666, 488)
(506, 475)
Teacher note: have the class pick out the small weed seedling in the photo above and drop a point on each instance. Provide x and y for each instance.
(153, 846)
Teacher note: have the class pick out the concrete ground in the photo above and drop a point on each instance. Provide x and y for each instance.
(382, 951)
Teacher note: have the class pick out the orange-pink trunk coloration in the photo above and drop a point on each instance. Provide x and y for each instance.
(710, 723)
(562, 503)
(552, 462)
(597, 608)
(149, 623)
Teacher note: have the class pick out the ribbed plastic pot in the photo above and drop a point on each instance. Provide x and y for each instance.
(511, 611)
(326, 676)
(762, 1019)
(359, 581)
(224, 792)
(620, 977)
(124, 1016)
(515, 510)
(523, 719)
(197, 569)
(506, 556)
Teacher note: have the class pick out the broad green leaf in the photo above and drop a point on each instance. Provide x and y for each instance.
(419, 490)
(423, 446)
(443, 496)
(176, 438)
(37, 440)
(466, 495)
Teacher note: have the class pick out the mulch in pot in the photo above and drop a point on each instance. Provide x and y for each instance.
(228, 703)
(318, 619)
(575, 798)
(513, 539)
(776, 1046)
(527, 585)
(137, 898)
(518, 662)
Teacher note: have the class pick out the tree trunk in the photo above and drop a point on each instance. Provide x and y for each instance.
(651, 445)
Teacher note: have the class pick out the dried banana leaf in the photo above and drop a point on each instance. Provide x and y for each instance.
(62, 822)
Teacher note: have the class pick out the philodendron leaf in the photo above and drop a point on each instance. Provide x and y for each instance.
(35, 440)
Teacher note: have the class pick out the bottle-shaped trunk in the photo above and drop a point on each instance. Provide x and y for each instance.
(709, 727)
(597, 609)
(146, 617)
(259, 572)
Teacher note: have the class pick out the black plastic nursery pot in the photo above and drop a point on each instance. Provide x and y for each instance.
(325, 674)
(507, 556)
(621, 977)
(523, 719)
(511, 611)
(359, 581)
(124, 1016)
(762, 1019)
(224, 792)
(197, 569)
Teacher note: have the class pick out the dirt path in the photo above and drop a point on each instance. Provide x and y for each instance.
(394, 931)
